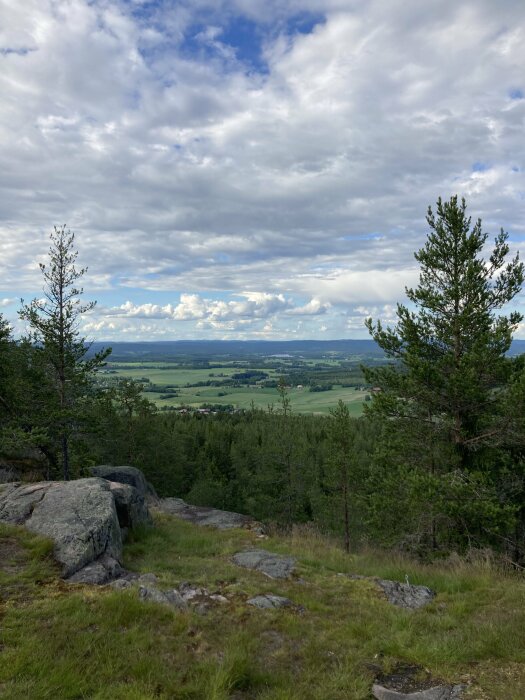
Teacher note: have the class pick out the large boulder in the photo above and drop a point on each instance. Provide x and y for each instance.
(132, 510)
(123, 475)
(79, 516)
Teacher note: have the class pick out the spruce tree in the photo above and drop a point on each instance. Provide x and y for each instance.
(54, 331)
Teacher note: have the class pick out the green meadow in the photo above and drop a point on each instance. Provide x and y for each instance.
(75, 642)
(180, 382)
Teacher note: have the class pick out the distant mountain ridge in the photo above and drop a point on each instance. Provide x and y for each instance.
(156, 351)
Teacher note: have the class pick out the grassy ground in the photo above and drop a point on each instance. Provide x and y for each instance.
(59, 641)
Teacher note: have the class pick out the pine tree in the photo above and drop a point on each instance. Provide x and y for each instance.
(445, 391)
(54, 330)
(450, 351)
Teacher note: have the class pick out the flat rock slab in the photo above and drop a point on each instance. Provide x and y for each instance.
(269, 601)
(202, 515)
(404, 595)
(181, 598)
(79, 516)
(412, 682)
(440, 692)
(272, 565)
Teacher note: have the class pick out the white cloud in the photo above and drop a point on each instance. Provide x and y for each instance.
(7, 302)
(186, 169)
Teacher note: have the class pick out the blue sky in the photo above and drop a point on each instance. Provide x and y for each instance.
(251, 168)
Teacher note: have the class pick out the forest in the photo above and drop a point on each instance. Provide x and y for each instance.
(435, 464)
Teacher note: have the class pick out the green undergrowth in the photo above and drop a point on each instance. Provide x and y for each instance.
(60, 641)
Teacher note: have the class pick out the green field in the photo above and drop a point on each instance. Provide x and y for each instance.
(168, 377)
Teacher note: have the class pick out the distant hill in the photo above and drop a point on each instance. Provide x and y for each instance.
(157, 351)
(162, 351)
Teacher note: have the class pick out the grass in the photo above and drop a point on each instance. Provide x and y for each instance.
(303, 401)
(59, 641)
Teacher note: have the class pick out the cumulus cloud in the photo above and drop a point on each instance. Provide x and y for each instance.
(299, 169)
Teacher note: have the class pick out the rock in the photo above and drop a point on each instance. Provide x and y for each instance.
(17, 501)
(190, 592)
(412, 682)
(132, 510)
(79, 516)
(268, 600)
(175, 599)
(98, 573)
(440, 692)
(405, 595)
(219, 598)
(123, 475)
(153, 594)
(202, 515)
(147, 579)
(121, 583)
(271, 565)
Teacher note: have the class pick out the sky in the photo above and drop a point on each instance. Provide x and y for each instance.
(252, 168)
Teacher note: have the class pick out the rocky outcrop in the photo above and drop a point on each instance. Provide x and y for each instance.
(272, 565)
(79, 516)
(87, 519)
(202, 515)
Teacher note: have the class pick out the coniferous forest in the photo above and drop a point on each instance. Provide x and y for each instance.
(435, 464)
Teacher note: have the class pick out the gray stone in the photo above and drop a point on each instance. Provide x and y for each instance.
(218, 598)
(147, 579)
(17, 501)
(123, 475)
(79, 516)
(405, 595)
(440, 692)
(121, 583)
(153, 594)
(202, 515)
(172, 598)
(99, 572)
(271, 565)
(176, 600)
(132, 510)
(269, 601)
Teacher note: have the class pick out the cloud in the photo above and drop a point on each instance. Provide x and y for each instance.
(7, 302)
(192, 168)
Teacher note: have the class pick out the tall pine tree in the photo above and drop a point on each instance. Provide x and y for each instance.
(54, 330)
(445, 391)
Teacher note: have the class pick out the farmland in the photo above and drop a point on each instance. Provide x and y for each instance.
(315, 383)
